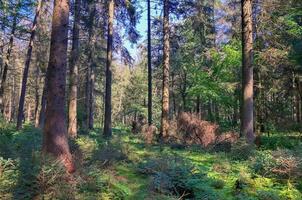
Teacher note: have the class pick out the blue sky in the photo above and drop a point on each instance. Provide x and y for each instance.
(142, 29)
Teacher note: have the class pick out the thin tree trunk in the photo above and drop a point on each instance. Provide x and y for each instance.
(55, 130)
(6, 62)
(28, 112)
(37, 95)
(149, 67)
(166, 68)
(90, 76)
(73, 90)
(43, 105)
(108, 120)
(87, 99)
(198, 105)
(91, 98)
(247, 126)
(26, 67)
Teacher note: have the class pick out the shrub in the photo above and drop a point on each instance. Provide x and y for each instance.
(279, 163)
(217, 184)
(176, 177)
(54, 182)
(109, 154)
(196, 131)
(149, 133)
(242, 150)
(267, 195)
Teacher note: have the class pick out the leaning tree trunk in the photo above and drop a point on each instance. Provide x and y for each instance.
(73, 90)
(55, 130)
(247, 126)
(149, 67)
(26, 67)
(166, 65)
(108, 106)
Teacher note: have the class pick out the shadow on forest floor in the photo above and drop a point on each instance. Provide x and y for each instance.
(21, 153)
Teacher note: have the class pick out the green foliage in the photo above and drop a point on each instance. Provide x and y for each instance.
(144, 172)
(175, 176)
(242, 150)
(280, 164)
(267, 195)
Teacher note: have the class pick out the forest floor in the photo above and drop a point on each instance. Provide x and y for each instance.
(127, 168)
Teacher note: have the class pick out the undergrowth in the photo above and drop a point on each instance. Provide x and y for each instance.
(127, 168)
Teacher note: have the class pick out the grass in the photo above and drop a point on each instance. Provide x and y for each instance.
(111, 170)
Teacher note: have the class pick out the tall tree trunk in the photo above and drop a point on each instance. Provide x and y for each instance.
(91, 98)
(55, 130)
(247, 126)
(87, 98)
(28, 111)
(90, 76)
(43, 105)
(108, 120)
(6, 62)
(149, 66)
(26, 67)
(37, 95)
(166, 68)
(73, 90)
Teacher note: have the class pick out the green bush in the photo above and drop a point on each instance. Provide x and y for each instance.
(281, 163)
(242, 150)
(267, 195)
(174, 176)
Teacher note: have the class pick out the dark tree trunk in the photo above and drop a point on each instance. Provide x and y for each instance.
(6, 62)
(55, 130)
(73, 90)
(26, 66)
(108, 120)
(166, 69)
(247, 124)
(198, 105)
(149, 67)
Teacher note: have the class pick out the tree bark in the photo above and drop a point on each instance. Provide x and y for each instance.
(6, 62)
(55, 130)
(166, 69)
(91, 77)
(26, 66)
(108, 106)
(43, 105)
(149, 66)
(247, 126)
(37, 95)
(73, 90)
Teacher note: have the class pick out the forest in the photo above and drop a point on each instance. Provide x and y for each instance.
(151, 99)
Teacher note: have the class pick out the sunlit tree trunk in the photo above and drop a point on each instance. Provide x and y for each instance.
(37, 95)
(28, 111)
(26, 66)
(247, 126)
(55, 130)
(73, 90)
(166, 69)
(43, 105)
(108, 106)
